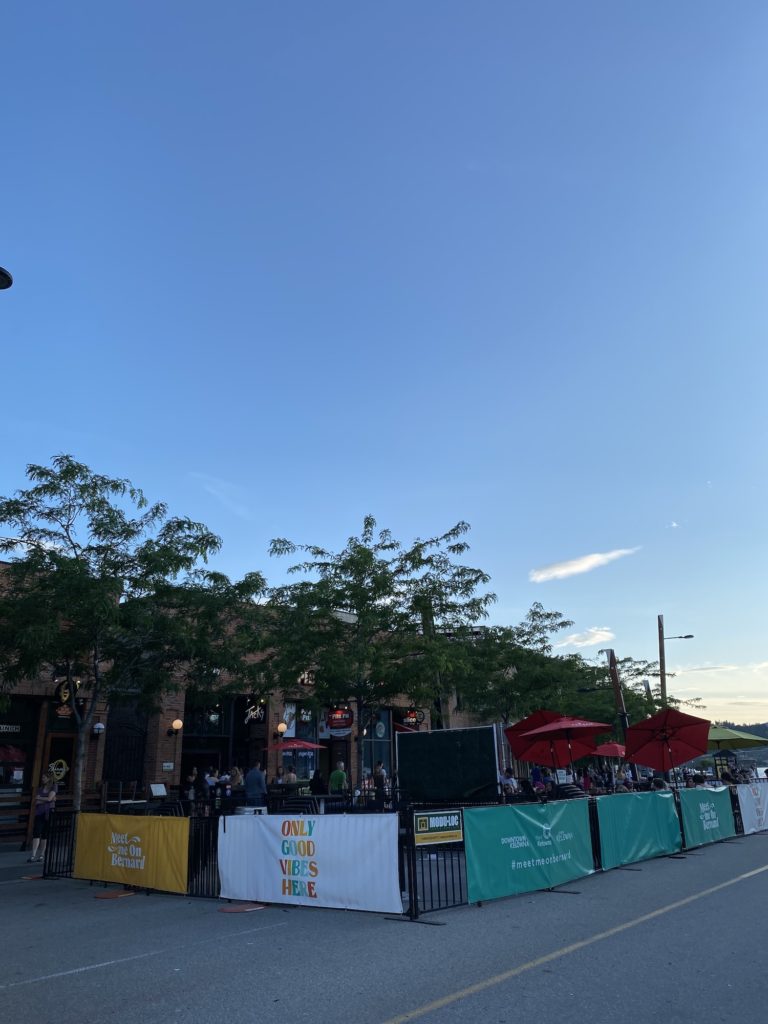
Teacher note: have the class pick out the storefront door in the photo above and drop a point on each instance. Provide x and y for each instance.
(59, 758)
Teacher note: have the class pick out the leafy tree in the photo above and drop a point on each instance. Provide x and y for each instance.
(105, 592)
(374, 620)
(509, 670)
(515, 672)
(536, 630)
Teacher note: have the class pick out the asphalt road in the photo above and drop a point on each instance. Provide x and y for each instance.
(672, 940)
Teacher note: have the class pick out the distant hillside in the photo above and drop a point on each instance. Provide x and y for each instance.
(756, 730)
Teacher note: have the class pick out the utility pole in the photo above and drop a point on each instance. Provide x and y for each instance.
(618, 693)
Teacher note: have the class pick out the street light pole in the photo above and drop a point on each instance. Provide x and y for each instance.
(662, 664)
(663, 660)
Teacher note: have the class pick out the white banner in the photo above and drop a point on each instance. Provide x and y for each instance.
(347, 861)
(753, 802)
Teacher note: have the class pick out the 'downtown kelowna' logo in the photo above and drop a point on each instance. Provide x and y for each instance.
(297, 865)
(126, 852)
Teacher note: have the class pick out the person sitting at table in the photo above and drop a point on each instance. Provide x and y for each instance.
(279, 778)
(290, 775)
(236, 778)
(509, 785)
(317, 783)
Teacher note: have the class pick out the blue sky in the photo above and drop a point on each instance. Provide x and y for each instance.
(284, 265)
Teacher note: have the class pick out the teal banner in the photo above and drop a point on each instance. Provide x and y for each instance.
(526, 847)
(707, 815)
(637, 826)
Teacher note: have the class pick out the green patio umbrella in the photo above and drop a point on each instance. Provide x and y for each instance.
(721, 738)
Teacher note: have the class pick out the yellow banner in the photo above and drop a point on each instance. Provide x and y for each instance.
(134, 850)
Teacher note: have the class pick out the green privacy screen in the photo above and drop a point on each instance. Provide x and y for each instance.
(448, 765)
(522, 848)
(637, 826)
(707, 815)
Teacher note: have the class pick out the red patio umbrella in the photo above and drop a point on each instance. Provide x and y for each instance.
(611, 750)
(291, 744)
(667, 739)
(562, 742)
(514, 733)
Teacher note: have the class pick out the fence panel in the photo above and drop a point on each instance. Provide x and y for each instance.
(60, 848)
(435, 872)
(203, 875)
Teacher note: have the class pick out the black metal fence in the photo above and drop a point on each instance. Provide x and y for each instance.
(203, 864)
(60, 848)
(435, 874)
(203, 869)
(432, 876)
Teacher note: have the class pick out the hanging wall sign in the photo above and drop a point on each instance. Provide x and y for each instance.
(62, 692)
(340, 721)
(256, 713)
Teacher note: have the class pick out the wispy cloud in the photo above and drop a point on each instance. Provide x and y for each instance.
(589, 638)
(711, 668)
(228, 494)
(673, 525)
(576, 566)
(729, 691)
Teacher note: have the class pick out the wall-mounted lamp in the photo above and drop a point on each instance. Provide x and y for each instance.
(98, 728)
(176, 726)
(282, 729)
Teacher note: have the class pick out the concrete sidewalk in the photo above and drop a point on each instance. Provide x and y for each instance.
(13, 863)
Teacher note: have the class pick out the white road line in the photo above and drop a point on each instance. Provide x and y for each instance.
(137, 956)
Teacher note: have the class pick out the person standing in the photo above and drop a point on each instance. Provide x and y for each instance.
(45, 799)
(379, 784)
(338, 783)
(255, 787)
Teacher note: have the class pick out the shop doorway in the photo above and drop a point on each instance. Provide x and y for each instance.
(58, 760)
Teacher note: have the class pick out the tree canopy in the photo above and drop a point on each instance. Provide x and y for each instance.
(376, 619)
(108, 593)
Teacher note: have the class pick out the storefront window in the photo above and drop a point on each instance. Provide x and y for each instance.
(304, 728)
(377, 742)
(18, 732)
(208, 721)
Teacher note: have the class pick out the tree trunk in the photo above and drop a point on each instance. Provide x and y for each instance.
(79, 766)
(84, 721)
